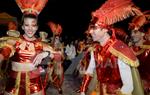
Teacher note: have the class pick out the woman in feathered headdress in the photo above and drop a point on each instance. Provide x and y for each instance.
(114, 61)
(58, 72)
(56, 30)
(27, 52)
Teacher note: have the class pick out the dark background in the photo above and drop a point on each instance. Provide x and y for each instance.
(73, 15)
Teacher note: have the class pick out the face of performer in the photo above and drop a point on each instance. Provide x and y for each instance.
(57, 41)
(30, 26)
(97, 33)
(136, 36)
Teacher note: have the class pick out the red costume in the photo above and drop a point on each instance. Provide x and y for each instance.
(141, 47)
(143, 54)
(24, 76)
(23, 79)
(55, 70)
(109, 61)
(106, 65)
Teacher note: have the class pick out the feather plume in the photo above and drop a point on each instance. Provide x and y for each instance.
(55, 28)
(113, 11)
(31, 6)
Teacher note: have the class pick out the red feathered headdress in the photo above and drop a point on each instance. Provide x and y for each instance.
(140, 20)
(113, 11)
(137, 22)
(55, 28)
(31, 6)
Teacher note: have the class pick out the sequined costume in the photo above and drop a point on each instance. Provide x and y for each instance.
(24, 78)
(111, 60)
(107, 62)
(113, 63)
(27, 53)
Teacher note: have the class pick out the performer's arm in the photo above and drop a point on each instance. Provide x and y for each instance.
(88, 75)
(126, 77)
(48, 51)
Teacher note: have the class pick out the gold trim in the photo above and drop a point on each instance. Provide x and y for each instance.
(145, 46)
(17, 85)
(27, 84)
(124, 58)
(120, 93)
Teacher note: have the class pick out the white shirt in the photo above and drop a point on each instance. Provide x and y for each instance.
(125, 74)
(70, 51)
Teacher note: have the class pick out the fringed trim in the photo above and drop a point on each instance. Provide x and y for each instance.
(145, 46)
(27, 84)
(124, 58)
(17, 85)
(8, 38)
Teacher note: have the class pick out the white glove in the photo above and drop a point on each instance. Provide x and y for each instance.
(38, 59)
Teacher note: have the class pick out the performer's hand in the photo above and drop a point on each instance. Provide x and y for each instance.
(38, 59)
(82, 93)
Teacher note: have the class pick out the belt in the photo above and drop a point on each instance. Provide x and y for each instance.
(16, 66)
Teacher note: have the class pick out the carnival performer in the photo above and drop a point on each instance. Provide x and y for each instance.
(83, 66)
(27, 52)
(115, 63)
(55, 69)
(140, 44)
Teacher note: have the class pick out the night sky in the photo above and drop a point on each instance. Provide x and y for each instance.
(73, 15)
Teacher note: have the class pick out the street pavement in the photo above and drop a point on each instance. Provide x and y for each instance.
(69, 87)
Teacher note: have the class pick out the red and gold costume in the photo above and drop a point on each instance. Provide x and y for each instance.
(143, 54)
(55, 70)
(141, 47)
(106, 66)
(24, 77)
(84, 65)
(109, 61)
